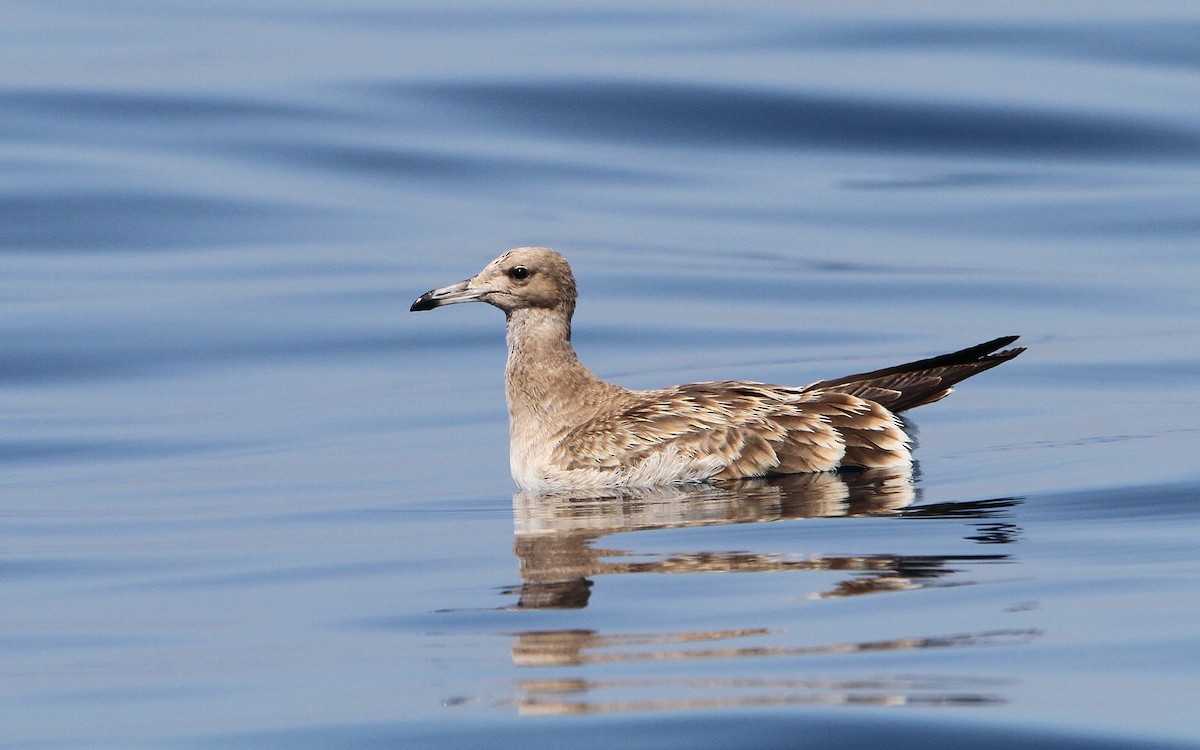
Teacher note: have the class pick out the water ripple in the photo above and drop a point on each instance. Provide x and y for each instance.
(756, 730)
(688, 115)
(393, 163)
(171, 107)
(1172, 44)
(105, 220)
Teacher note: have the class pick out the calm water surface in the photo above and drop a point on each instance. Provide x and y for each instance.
(248, 501)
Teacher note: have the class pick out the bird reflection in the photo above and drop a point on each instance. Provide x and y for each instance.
(576, 697)
(617, 695)
(545, 648)
(559, 545)
(556, 534)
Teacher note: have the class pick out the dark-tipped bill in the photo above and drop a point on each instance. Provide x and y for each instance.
(447, 295)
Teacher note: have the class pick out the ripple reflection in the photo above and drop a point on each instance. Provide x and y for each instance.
(594, 696)
(555, 543)
(556, 534)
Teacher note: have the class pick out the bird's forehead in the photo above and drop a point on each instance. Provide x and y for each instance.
(497, 264)
(509, 258)
(517, 257)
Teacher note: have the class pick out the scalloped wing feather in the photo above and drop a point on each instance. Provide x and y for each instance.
(733, 429)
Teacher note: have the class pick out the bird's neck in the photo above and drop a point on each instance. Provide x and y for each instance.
(547, 386)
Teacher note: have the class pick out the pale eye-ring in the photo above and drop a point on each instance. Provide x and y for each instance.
(520, 273)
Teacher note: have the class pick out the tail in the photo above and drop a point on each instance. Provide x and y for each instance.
(924, 381)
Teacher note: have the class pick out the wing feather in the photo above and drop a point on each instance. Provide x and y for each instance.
(738, 429)
(922, 382)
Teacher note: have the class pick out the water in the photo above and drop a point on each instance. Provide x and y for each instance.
(248, 501)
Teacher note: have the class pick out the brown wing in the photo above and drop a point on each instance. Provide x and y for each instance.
(744, 430)
(922, 382)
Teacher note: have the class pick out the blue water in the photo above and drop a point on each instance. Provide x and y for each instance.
(247, 500)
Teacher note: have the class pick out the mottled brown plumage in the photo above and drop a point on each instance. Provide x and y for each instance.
(569, 428)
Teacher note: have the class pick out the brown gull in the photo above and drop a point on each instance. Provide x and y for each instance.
(570, 429)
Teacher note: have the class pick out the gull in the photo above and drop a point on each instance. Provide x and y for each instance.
(568, 429)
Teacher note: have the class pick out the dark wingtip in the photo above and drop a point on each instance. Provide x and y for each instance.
(926, 380)
(1004, 355)
(424, 302)
(980, 350)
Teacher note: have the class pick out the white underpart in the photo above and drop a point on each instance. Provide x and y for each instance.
(660, 467)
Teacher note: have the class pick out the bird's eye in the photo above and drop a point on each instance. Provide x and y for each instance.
(520, 273)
